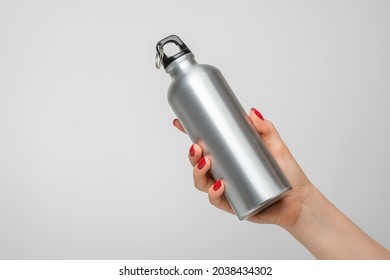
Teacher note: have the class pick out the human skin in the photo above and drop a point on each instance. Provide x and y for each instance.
(304, 212)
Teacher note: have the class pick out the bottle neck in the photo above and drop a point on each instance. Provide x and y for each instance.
(181, 65)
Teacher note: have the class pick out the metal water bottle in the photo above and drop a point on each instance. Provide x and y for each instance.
(213, 118)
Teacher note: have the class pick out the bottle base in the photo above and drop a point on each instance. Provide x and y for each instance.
(263, 205)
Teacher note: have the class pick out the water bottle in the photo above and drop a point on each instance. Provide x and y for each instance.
(213, 117)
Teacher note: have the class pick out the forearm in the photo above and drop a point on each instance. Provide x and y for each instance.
(328, 234)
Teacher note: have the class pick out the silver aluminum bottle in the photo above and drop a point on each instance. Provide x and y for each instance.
(213, 118)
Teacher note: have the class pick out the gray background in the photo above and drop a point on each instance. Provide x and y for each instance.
(91, 166)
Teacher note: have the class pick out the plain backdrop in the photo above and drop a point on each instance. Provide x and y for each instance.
(91, 166)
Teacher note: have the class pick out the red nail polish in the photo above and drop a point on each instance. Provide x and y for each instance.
(258, 113)
(192, 151)
(201, 163)
(217, 185)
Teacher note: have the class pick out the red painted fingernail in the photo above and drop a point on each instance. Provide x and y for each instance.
(217, 185)
(258, 114)
(192, 151)
(201, 163)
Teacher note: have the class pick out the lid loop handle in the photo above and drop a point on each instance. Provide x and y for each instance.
(162, 58)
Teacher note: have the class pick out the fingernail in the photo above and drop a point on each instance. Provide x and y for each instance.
(201, 163)
(192, 151)
(258, 114)
(174, 120)
(217, 185)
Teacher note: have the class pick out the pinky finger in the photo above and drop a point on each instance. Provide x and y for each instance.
(217, 198)
(178, 125)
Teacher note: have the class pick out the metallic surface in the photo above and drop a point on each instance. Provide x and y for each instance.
(213, 118)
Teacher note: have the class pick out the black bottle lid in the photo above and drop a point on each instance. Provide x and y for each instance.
(162, 58)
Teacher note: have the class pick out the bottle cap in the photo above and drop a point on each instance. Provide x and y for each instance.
(162, 58)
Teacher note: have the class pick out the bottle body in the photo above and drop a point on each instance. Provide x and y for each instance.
(213, 118)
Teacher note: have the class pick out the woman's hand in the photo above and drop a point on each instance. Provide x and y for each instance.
(312, 219)
(286, 211)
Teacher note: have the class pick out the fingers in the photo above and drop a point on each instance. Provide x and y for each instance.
(201, 164)
(194, 154)
(202, 179)
(217, 198)
(178, 125)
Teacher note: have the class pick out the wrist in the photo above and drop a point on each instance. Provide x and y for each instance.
(314, 226)
(328, 234)
(307, 211)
